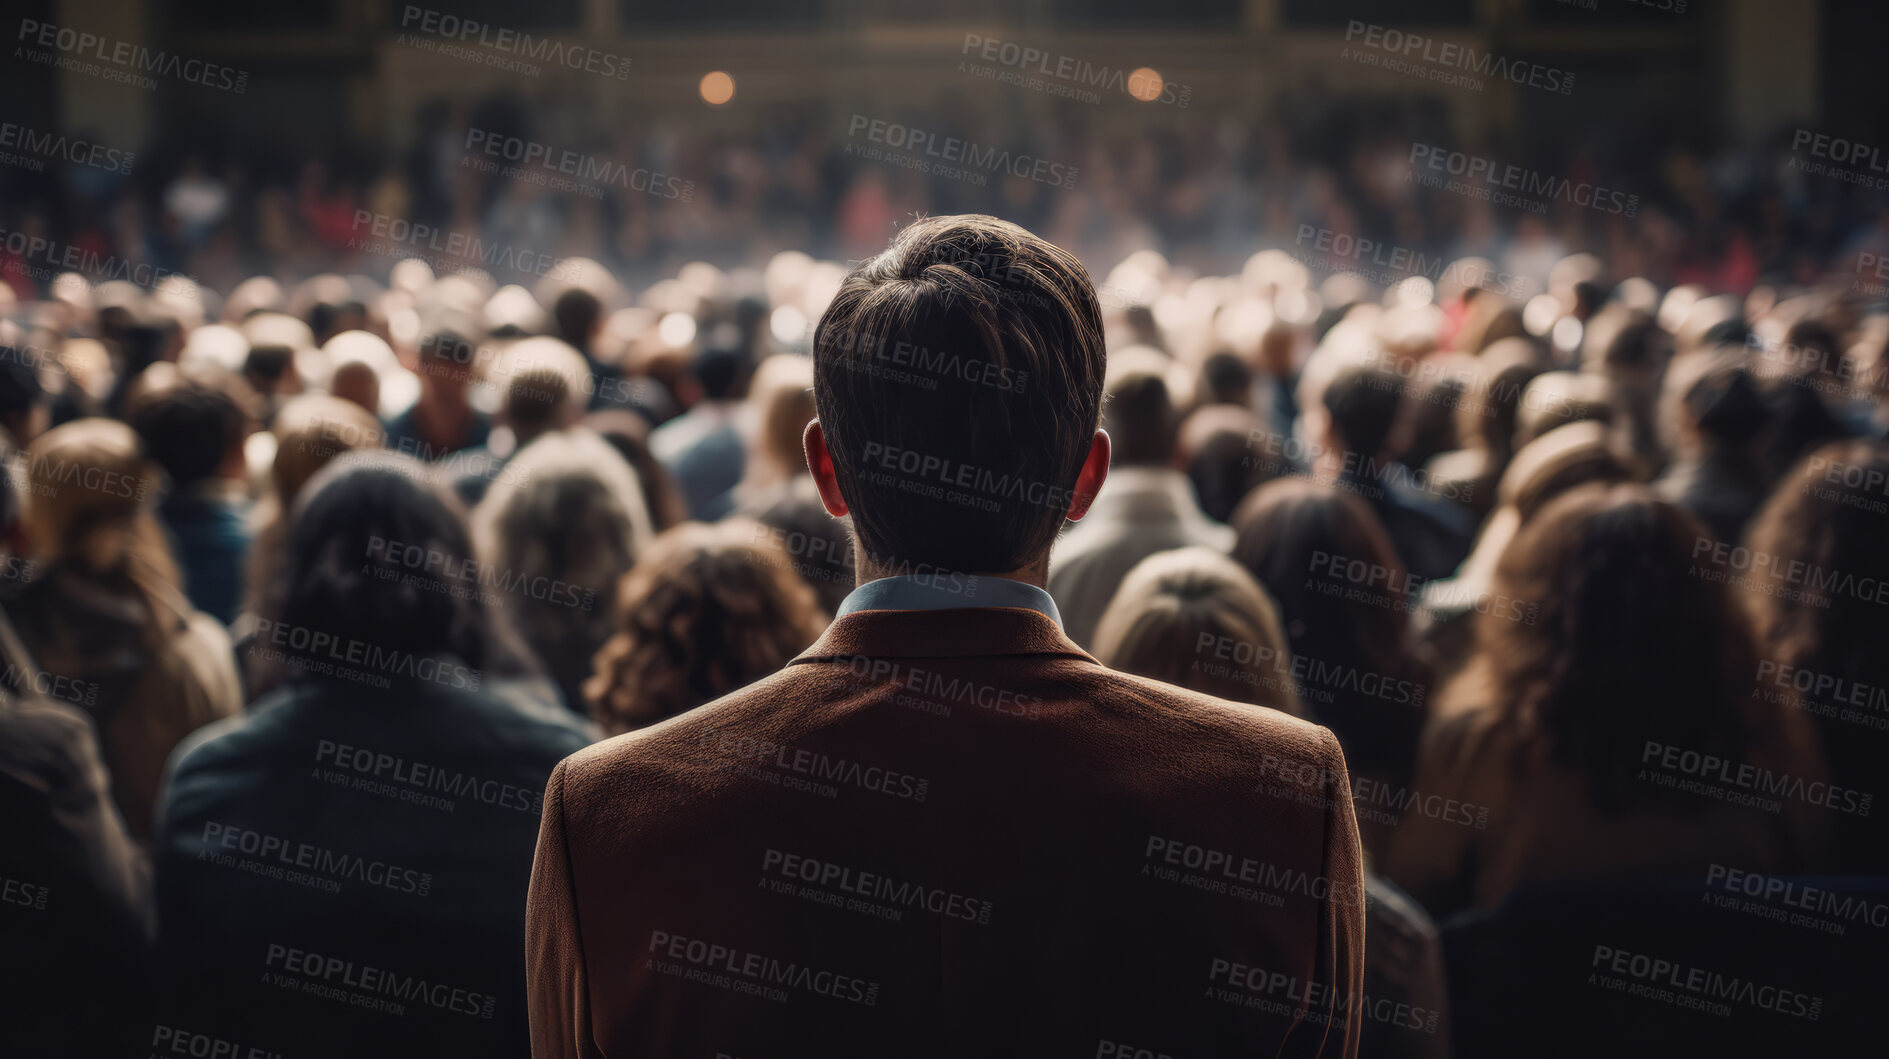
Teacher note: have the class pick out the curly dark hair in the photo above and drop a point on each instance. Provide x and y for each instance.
(706, 610)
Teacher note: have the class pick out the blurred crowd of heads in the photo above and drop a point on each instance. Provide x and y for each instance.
(1269, 389)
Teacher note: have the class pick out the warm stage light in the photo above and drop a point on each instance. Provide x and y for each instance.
(1145, 84)
(717, 88)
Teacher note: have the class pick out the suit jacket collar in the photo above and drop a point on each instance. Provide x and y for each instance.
(960, 633)
(940, 591)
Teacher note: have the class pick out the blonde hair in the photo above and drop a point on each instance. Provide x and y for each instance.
(88, 487)
(1171, 602)
(312, 430)
(782, 395)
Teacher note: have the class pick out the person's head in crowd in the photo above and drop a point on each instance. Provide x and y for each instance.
(1301, 539)
(578, 316)
(257, 294)
(25, 406)
(143, 341)
(1359, 410)
(311, 431)
(217, 346)
(1196, 618)
(1142, 329)
(1689, 314)
(1216, 448)
(564, 523)
(1801, 421)
(1562, 459)
(194, 425)
(628, 433)
(545, 386)
(1225, 378)
(512, 313)
(270, 372)
(720, 370)
(1278, 352)
(90, 379)
(1492, 401)
(363, 368)
(1587, 297)
(1829, 514)
(1464, 280)
(749, 313)
(1568, 276)
(816, 543)
(116, 307)
(1727, 333)
(874, 437)
(448, 365)
(1628, 644)
(329, 305)
(1626, 347)
(87, 487)
(1556, 398)
(1686, 369)
(1489, 318)
(782, 399)
(1483, 419)
(281, 349)
(1810, 349)
(442, 419)
(356, 381)
(707, 609)
(378, 552)
(652, 356)
(1433, 395)
(1803, 376)
(1722, 410)
(1142, 422)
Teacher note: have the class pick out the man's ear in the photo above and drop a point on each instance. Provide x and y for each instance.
(1089, 480)
(820, 463)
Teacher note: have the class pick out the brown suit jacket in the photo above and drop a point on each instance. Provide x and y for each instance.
(950, 833)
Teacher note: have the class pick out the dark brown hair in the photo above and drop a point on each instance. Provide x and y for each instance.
(958, 377)
(1352, 656)
(1627, 644)
(1364, 401)
(192, 423)
(347, 574)
(1141, 420)
(1830, 515)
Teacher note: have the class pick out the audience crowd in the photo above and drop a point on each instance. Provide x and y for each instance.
(309, 585)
